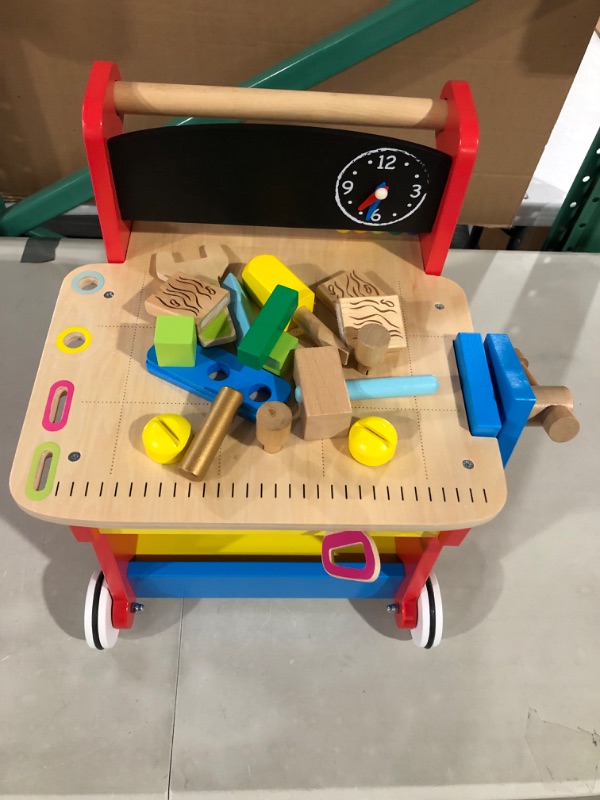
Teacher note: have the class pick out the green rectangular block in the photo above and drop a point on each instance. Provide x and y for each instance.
(219, 331)
(175, 341)
(281, 356)
(257, 345)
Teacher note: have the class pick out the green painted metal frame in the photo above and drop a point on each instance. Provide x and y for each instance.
(577, 225)
(35, 233)
(385, 27)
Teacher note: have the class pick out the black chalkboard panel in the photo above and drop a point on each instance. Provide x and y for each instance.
(277, 175)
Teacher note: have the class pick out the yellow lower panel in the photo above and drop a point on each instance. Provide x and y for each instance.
(255, 544)
(165, 542)
(240, 532)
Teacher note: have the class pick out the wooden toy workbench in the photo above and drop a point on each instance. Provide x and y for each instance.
(257, 524)
(309, 485)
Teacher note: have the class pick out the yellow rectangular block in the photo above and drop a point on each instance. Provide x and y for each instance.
(263, 273)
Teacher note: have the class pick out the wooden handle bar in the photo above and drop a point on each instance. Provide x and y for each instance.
(175, 99)
(553, 407)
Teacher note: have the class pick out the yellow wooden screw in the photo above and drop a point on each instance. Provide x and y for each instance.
(372, 441)
(165, 438)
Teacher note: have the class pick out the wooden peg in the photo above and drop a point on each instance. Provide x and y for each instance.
(548, 396)
(560, 424)
(319, 333)
(553, 408)
(273, 425)
(372, 344)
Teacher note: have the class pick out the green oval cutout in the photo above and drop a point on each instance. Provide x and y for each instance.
(42, 471)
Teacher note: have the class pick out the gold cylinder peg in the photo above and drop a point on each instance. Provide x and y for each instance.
(273, 425)
(206, 442)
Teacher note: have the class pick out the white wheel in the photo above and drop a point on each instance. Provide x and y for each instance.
(99, 631)
(430, 615)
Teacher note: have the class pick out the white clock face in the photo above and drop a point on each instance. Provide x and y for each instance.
(381, 187)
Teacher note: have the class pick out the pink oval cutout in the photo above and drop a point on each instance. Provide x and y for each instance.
(336, 541)
(58, 405)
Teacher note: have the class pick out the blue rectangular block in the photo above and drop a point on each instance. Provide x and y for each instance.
(514, 394)
(255, 579)
(216, 368)
(476, 383)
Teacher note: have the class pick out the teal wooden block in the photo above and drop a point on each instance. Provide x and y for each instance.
(257, 345)
(241, 308)
(175, 341)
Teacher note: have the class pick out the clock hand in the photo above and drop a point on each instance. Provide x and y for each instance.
(369, 201)
(372, 209)
(380, 193)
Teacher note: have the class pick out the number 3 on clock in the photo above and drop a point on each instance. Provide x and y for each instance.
(416, 192)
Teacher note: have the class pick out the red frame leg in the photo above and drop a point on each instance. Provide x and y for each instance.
(419, 556)
(100, 122)
(113, 554)
(460, 139)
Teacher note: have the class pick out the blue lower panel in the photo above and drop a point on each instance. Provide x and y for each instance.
(254, 579)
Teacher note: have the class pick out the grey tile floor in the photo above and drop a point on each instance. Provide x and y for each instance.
(279, 699)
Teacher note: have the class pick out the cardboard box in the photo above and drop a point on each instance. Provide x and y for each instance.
(520, 57)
